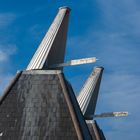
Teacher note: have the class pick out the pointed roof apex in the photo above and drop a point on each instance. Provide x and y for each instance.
(65, 7)
(100, 67)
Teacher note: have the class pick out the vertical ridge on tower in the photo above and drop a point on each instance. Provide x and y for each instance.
(52, 48)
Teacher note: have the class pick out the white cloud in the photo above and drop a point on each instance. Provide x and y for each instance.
(3, 56)
(6, 19)
(6, 51)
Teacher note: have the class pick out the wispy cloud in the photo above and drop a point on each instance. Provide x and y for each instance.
(6, 19)
(35, 31)
(120, 92)
(6, 51)
(3, 56)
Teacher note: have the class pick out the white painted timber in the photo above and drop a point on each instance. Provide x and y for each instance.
(52, 42)
(111, 114)
(75, 62)
(89, 92)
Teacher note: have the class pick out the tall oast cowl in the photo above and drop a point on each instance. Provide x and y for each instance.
(52, 48)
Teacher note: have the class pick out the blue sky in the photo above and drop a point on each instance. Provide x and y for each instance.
(107, 29)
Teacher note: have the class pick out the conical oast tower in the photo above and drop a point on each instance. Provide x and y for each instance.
(39, 104)
(88, 95)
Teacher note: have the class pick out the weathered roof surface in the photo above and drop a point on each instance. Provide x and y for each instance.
(41, 105)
